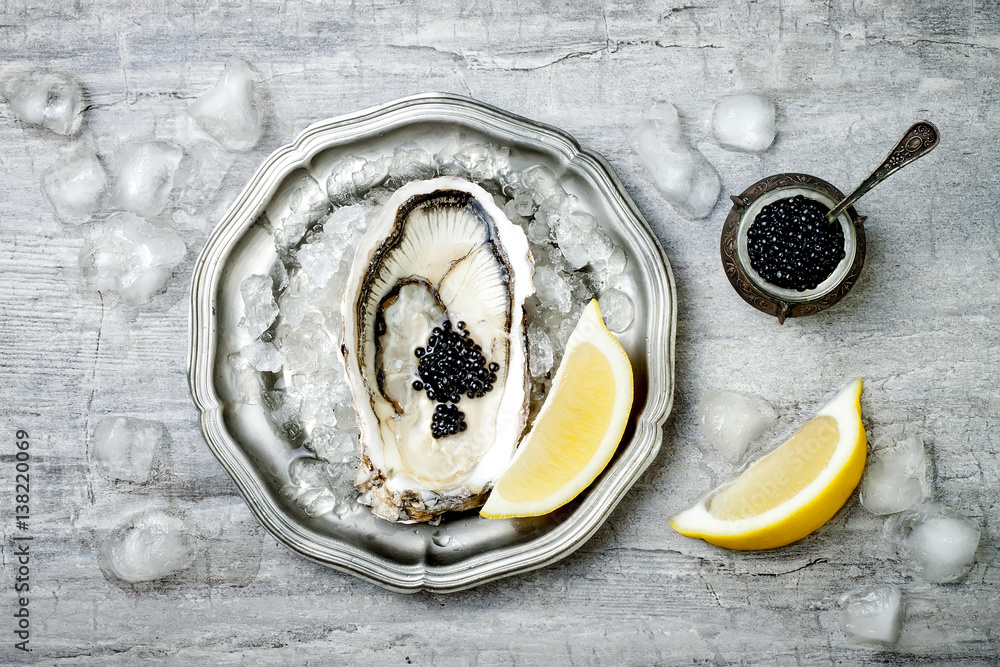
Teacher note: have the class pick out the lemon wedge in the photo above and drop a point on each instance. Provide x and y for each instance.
(577, 429)
(792, 491)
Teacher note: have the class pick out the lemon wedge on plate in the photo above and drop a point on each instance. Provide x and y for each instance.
(792, 491)
(577, 429)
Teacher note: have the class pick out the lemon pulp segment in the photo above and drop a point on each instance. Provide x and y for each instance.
(573, 427)
(780, 475)
(577, 429)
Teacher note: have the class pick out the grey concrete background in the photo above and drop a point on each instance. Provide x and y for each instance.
(921, 326)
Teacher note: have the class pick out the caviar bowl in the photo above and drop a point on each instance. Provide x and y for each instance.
(771, 299)
(464, 550)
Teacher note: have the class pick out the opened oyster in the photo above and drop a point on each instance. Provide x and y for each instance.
(434, 349)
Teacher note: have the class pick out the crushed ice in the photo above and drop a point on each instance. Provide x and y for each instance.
(290, 366)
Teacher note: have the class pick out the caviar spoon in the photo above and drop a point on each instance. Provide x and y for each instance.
(917, 142)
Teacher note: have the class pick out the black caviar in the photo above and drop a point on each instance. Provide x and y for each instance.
(451, 366)
(792, 245)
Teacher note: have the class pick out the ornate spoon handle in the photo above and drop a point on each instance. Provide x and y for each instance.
(917, 142)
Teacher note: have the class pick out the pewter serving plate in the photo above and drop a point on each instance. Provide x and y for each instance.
(464, 550)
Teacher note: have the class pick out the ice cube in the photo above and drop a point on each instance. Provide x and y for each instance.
(539, 351)
(320, 258)
(259, 306)
(682, 174)
(148, 547)
(544, 185)
(894, 478)
(131, 257)
(370, 175)
(334, 443)
(247, 381)
(731, 420)
(576, 252)
(321, 487)
(935, 542)
(299, 205)
(308, 346)
(551, 289)
(46, 98)
(538, 231)
(483, 162)
(293, 308)
(407, 165)
(340, 183)
(76, 185)
(124, 447)
(872, 613)
(523, 202)
(617, 310)
(744, 123)
(617, 261)
(231, 112)
(262, 356)
(599, 246)
(145, 173)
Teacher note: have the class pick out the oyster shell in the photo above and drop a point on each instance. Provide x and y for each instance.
(434, 349)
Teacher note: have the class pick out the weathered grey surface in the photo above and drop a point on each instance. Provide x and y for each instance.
(921, 326)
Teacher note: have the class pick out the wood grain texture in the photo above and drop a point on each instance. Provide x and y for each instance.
(922, 325)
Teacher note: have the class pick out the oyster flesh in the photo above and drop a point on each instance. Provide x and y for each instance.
(434, 349)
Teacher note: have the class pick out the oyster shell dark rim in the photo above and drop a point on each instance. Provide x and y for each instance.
(651, 348)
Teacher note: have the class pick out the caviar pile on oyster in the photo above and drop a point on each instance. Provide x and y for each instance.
(413, 320)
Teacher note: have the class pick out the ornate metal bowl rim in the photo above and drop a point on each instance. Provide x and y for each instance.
(634, 456)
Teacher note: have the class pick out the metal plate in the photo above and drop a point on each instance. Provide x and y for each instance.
(464, 550)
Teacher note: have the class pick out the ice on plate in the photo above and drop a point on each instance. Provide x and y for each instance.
(299, 204)
(231, 111)
(617, 309)
(872, 613)
(130, 256)
(322, 486)
(895, 477)
(148, 547)
(76, 185)
(46, 98)
(264, 357)
(247, 380)
(259, 306)
(935, 542)
(478, 162)
(681, 173)
(124, 448)
(331, 247)
(539, 351)
(731, 420)
(146, 171)
(744, 123)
